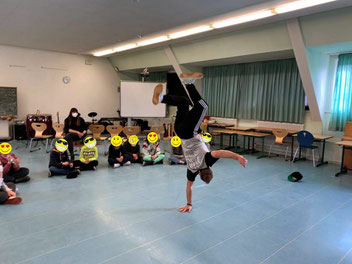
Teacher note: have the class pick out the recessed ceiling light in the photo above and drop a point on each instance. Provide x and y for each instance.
(125, 47)
(153, 41)
(103, 53)
(296, 5)
(190, 31)
(242, 19)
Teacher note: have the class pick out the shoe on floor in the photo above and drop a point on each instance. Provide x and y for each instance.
(127, 163)
(23, 179)
(15, 200)
(49, 174)
(116, 165)
(157, 91)
(72, 175)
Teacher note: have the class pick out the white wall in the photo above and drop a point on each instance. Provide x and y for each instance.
(92, 87)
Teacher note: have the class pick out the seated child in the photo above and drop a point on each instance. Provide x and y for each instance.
(8, 191)
(11, 169)
(118, 157)
(152, 153)
(59, 162)
(133, 151)
(88, 158)
(176, 155)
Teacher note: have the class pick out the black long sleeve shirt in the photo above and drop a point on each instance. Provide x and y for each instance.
(57, 157)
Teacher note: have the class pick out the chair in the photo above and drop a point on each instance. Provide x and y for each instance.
(97, 130)
(280, 134)
(131, 130)
(157, 129)
(114, 130)
(39, 128)
(305, 140)
(59, 130)
(204, 126)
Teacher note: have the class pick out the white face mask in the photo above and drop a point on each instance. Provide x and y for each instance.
(74, 114)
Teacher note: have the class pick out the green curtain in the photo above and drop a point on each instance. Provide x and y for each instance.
(270, 91)
(156, 77)
(342, 98)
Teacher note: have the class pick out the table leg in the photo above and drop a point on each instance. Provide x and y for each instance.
(221, 140)
(342, 170)
(262, 155)
(322, 155)
(292, 141)
(244, 144)
(236, 137)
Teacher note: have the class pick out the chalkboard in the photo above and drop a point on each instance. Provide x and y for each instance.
(8, 100)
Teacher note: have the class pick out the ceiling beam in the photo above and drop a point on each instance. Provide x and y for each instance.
(298, 45)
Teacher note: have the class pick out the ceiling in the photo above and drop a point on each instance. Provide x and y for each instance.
(80, 26)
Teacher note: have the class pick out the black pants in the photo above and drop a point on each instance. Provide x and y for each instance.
(70, 138)
(82, 166)
(14, 176)
(187, 121)
(3, 194)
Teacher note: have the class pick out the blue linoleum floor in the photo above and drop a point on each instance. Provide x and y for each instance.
(129, 215)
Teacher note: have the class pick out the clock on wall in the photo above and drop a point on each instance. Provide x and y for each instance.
(66, 79)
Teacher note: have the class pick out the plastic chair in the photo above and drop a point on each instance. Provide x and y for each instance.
(305, 140)
(59, 130)
(280, 134)
(39, 129)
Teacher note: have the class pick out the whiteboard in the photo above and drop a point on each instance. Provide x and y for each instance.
(136, 100)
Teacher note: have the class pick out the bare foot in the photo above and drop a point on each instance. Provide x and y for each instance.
(194, 75)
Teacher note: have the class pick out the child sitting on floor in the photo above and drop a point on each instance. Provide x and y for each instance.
(59, 162)
(176, 155)
(152, 153)
(8, 191)
(12, 172)
(132, 150)
(118, 157)
(88, 158)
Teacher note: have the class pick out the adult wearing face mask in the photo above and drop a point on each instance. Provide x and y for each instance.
(75, 129)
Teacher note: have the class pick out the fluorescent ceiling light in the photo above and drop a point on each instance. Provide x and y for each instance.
(190, 31)
(299, 5)
(125, 47)
(153, 41)
(243, 19)
(104, 52)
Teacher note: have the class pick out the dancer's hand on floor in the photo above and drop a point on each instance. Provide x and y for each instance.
(185, 209)
(242, 161)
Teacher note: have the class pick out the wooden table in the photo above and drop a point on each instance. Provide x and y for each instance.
(291, 133)
(245, 134)
(240, 128)
(345, 145)
(219, 125)
(231, 133)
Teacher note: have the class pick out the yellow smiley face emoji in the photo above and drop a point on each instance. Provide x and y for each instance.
(152, 137)
(133, 140)
(175, 141)
(116, 141)
(90, 142)
(61, 145)
(5, 148)
(206, 137)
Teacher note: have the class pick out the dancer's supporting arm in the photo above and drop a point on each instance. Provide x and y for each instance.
(229, 155)
(188, 207)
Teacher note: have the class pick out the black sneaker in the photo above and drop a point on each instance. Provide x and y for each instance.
(23, 179)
